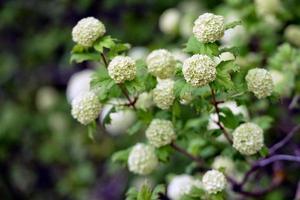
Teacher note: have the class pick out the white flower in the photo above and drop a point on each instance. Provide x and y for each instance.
(223, 162)
(292, 34)
(209, 27)
(248, 138)
(142, 159)
(160, 132)
(120, 120)
(78, 83)
(199, 70)
(87, 31)
(179, 55)
(186, 25)
(235, 109)
(267, 7)
(46, 98)
(163, 94)
(144, 101)
(260, 82)
(169, 21)
(138, 52)
(213, 181)
(283, 82)
(161, 63)
(85, 107)
(181, 185)
(121, 69)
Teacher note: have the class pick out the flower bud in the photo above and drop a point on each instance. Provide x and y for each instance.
(213, 181)
(161, 63)
(248, 138)
(199, 70)
(163, 94)
(209, 27)
(86, 107)
(87, 31)
(142, 159)
(160, 132)
(260, 82)
(121, 69)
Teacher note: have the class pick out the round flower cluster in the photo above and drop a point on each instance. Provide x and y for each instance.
(248, 138)
(87, 31)
(160, 132)
(85, 107)
(181, 185)
(122, 68)
(209, 27)
(142, 159)
(260, 82)
(163, 94)
(213, 181)
(199, 70)
(161, 63)
(223, 162)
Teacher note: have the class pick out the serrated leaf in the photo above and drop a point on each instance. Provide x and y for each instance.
(229, 119)
(104, 42)
(84, 56)
(195, 47)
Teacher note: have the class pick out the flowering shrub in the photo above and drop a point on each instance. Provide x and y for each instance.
(173, 102)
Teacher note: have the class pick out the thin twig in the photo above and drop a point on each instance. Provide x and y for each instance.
(218, 122)
(284, 141)
(123, 89)
(187, 154)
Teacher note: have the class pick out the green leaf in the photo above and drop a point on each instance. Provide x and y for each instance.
(195, 47)
(121, 156)
(233, 24)
(224, 71)
(132, 194)
(135, 128)
(229, 119)
(264, 122)
(92, 130)
(145, 193)
(159, 189)
(84, 56)
(163, 153)
(264, 151)
(104, 42)
(117, 49)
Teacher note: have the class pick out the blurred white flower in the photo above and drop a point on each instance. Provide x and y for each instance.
(292, 34)
(224, 162)
(179, 54)
(138, 53)
(79, 83)
(144, 101)
(46, 98)
(169, 21)
(181, 185)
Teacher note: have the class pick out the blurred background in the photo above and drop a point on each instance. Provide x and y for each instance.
(45, 154)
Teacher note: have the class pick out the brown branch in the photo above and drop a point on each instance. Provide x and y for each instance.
(187, 154)
(218, 122)
(123, 89)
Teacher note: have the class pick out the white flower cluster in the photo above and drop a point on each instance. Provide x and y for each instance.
(144, 101)
(181, 185)
(142, 159)
(213, 181)
(87, 31)
(121, 69)
(163, 94)
(161, 63)
(223, 162)
(260, 82)
(86, 107)
(248, 138)
(160, 132)
(209, 27)
(199, 70)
